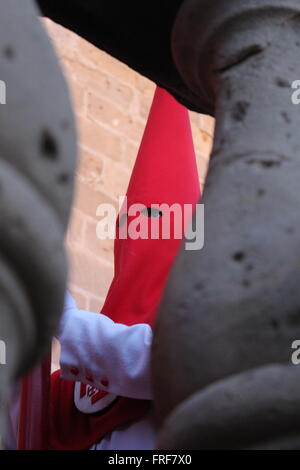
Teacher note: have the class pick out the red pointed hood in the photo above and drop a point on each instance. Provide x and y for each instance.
(165, 173)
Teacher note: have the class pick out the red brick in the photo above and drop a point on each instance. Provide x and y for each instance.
(202, 163)
(95, 304)
(144, 84)
(104, 111)
(91, 56)
(90, 168)
(202, 141)
(76, 228)
(77, 95)
(90, 273)
(116, 174)
(100, 83)
(145, 100)
(207, 124)
(100, 248)
(80, 298)
(55, 355)
(130, 154)
(100, 140)
(64, 40)
(195, 118)
(87, 199)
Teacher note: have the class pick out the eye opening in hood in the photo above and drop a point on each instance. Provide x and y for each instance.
(152, 212)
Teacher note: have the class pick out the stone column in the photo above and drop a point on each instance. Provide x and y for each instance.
(222, 370)
(37, 161)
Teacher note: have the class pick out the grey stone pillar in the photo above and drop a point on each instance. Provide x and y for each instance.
(222, 371)
(37, 161)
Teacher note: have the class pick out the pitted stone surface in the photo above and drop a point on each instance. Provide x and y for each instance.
(37, 162)
(234, 305)
(225, 414)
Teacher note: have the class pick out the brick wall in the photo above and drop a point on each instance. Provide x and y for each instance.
(111, 103)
